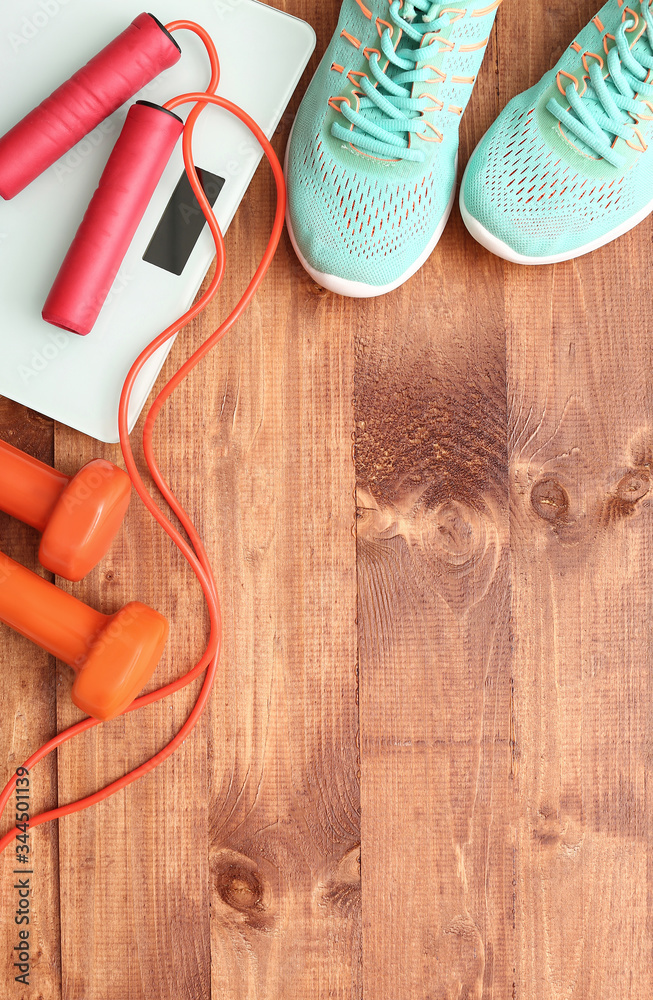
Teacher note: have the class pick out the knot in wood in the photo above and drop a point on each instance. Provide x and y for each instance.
(633, 487)
(240, 888)
(550, 500)
(342, 889)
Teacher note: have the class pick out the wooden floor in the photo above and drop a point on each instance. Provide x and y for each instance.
(426, 772)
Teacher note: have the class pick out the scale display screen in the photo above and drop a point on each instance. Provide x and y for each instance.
(182, 223)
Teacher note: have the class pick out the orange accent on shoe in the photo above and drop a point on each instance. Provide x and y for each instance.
(386, 24)
(607, 38)
(599, 24)
(337, 68)
(487, 10)
(593, 55)
(642, 31)
(438, 135)
(370, 156)
(445, 44)
(642, 147)
(350, 38)
(437, 105)
(576, 47)
(647, 118)
(463, 79)
(368, 13)
(455, 110)
(474, 48)
(563, 90)
(335, 102)
(354, 73)
(566, 137)
(459, 13)
(440, 78)
(633, 14)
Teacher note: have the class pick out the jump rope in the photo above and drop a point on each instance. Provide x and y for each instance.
(191, 547)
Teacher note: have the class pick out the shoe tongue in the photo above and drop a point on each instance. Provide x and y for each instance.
(410, 12)
(437, 8)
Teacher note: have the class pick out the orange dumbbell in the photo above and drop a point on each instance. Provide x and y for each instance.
(113, 656)
(78, 517)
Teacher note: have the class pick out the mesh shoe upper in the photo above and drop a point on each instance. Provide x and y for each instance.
(539, 187)
(362, 216)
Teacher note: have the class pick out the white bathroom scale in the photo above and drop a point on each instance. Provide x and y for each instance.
(263, 53)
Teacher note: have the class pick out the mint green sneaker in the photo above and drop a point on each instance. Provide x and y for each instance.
(371, 161)
(568, 165)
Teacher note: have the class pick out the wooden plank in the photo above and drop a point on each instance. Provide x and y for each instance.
(27, 709)
(284, 802)
(579, 389)
(284, 807)
(433, 567)
(264, 422)
(579, 364)
(133, 870)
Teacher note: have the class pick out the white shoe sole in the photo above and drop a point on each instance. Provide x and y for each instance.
(358, 289)
(501, 249)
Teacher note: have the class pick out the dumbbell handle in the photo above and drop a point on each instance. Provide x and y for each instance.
(50, 617)
(29, 489)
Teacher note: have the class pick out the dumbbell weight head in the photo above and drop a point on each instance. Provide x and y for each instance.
(121, 660)
(85, 520)
(78, 518)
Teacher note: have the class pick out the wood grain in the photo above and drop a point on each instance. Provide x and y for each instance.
(579, 391)
(581, 453)
(284, 802)
(425, 771)
(120, 865)
(433, 543)
(27, 710)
